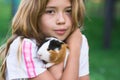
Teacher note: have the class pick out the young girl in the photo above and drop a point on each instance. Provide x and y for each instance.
(35, 20)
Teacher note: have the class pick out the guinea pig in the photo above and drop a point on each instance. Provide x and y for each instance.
(52, 51)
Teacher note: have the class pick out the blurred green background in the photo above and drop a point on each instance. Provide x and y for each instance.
(104, 61)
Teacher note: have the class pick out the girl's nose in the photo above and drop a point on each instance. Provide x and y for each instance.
(60, 19)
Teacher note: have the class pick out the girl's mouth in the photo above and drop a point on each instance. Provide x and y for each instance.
(60, 31)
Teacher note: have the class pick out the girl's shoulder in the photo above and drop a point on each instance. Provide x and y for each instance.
(84, 37)
(27, 40)
(84, 46)
(84, 40)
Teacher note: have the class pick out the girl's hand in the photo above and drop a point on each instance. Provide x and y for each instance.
(74, 40)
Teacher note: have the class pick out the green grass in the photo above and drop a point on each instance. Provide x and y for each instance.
(104, 63)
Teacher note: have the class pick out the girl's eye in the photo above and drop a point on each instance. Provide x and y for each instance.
(50, 11)
(68, 11)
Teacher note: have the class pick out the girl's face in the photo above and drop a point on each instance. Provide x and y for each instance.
(56, 20)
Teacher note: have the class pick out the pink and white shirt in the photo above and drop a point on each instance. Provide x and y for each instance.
(30, 65)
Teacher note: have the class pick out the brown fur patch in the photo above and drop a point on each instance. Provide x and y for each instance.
(60, 56)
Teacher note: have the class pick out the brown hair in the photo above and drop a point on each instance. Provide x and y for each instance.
(78, 10)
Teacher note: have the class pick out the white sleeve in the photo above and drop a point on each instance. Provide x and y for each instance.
(33, 65)
(29, 65)
(84, 58)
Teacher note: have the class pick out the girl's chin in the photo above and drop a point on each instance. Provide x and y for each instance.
(61, 38)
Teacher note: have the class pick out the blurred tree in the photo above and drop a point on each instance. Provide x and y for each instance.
(109, 19)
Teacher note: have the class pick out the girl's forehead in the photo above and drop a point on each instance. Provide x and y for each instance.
(59, 3)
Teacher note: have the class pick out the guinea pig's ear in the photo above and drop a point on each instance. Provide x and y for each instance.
(55, 44)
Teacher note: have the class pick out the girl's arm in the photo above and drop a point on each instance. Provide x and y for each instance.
(57, 70)
(44, 76)
(84, 77)
(54, 73)
(72, 68)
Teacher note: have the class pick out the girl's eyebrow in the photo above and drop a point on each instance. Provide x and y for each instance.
(69, 7)
(50, 7)
(55, 7)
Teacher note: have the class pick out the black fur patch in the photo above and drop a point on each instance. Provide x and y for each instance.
(54, 44)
